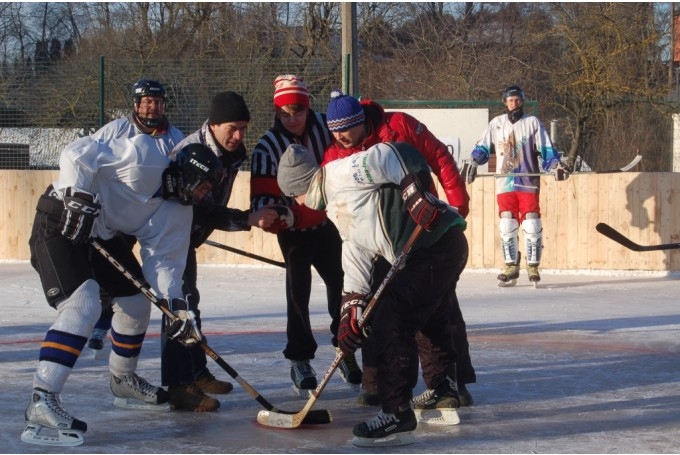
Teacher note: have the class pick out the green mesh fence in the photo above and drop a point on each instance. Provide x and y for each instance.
(44, 108)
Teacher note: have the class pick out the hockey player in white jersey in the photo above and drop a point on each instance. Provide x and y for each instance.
(126, 185)
(375, 198)
(147, 117)
(521, 145)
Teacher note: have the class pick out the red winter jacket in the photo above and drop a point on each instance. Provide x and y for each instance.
(401, 127)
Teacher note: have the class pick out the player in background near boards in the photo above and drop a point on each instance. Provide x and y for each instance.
(522, 145)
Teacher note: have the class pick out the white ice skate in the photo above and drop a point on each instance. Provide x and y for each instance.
(133, 392)
(44, 414)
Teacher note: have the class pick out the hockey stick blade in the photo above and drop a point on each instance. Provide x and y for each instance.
(278, 420)
(625, 168)
(616, 236)
(314, 417)
(245, 253)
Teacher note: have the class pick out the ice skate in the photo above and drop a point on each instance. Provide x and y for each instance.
(133, 392)
(534, 277)
(438, 406)
(385, 430)
(191, 398)
(208, 383)
(368, 398)
(96, 341)
(95, 345)
(303, 376)
(465, 396)
(45, 412)
(350, 371)
(509, 276)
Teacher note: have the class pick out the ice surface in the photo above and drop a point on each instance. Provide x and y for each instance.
(585, 364)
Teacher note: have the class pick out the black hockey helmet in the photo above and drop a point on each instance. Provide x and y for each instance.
(513, 90)
(148, 87)
(194, 165)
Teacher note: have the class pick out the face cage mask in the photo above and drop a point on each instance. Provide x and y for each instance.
(148, 122)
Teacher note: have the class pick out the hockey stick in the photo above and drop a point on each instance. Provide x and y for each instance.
(625, 168)
(317, 417)
(616, 236)
(245, 253)
(275, 419)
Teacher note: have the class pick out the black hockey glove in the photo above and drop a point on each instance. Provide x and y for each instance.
(350, 335)
(285, 216)
(469, 171)
(184, 328)
(421, 205)
(560, 171)
(77, 219)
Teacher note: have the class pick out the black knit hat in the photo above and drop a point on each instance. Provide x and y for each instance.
(228, 107)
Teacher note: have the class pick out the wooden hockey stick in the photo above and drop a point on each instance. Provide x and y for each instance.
(245, 253)
(315, 417)
(616, 236)
(625, 168)
(278, 420)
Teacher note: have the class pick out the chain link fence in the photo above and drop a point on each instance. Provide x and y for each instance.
(44, 108)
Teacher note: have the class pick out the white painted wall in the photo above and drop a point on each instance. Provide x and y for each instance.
(458, 128)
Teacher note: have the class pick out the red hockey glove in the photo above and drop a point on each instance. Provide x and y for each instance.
(350, 335)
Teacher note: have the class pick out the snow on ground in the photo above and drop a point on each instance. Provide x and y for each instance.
(587, 363)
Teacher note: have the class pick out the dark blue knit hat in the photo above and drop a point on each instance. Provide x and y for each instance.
(344, 112)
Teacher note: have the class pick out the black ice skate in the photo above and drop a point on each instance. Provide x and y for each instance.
(350, 371)
(386, 430)
(438, 406)
(303, 376)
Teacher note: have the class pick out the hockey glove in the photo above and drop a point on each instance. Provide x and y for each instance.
(469, 170)
(560, 171)
(421, 205)
(350, 335)
(286, 217)
(77, 219)
(183, 328)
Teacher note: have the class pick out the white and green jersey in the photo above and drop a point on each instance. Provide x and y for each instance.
(362, 196)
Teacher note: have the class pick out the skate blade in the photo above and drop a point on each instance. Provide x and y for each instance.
(65, 438)
(131, 403)
(507, 284)
(398, 439)
(304, 393)
(444, 416)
